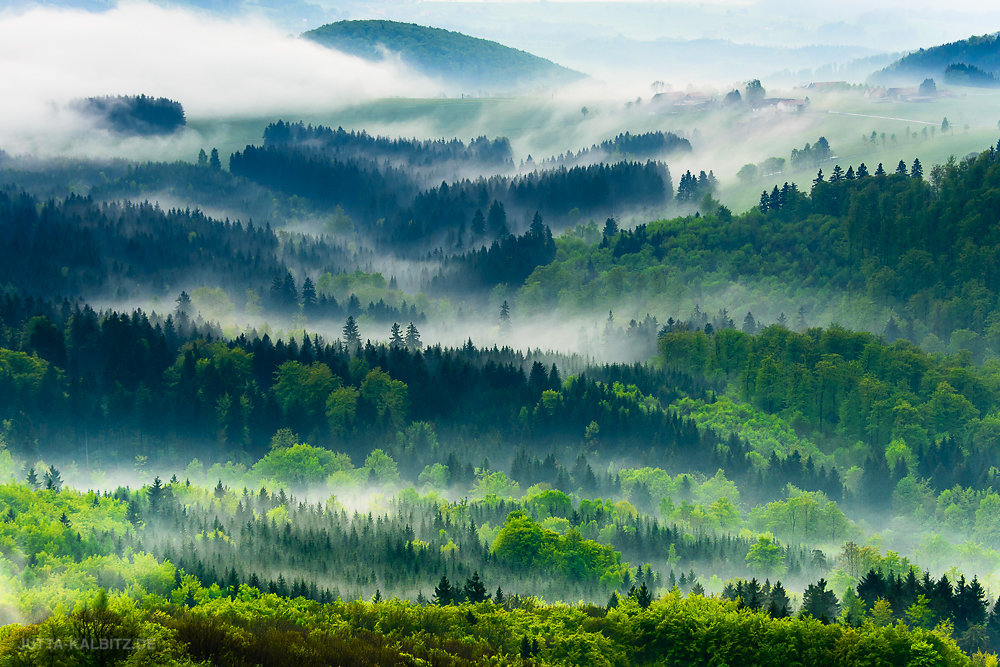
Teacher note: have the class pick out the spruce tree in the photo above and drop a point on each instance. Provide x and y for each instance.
(155, 495)
(496, 220)
(53, 480)
(413, 338)
(643, 596)
(352, 336)
(505, 316)
(443, 592)
(478, 223)
(474, 589)
(396, 336)
(820, 603)
(308, 295)
(32, 479)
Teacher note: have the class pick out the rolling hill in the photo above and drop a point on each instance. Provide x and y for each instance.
(973, 61)
(469, 63)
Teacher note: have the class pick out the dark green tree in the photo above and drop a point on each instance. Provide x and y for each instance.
(779, 606)
(478, 223)
(642, 595)
(496, 220)
(444, 594)
(155, 495)
(396, 336)
(474, 589)
(308, 296)
(820, 603)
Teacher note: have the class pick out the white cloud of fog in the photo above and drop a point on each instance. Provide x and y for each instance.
(215, 67)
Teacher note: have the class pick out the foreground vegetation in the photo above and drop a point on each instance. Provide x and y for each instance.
(58, 563)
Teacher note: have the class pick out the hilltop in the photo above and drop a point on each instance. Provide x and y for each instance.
(468, 62)
(973, 61)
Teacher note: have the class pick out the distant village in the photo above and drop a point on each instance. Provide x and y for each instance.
(666, 101)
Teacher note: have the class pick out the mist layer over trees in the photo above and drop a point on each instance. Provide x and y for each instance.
(308, 380)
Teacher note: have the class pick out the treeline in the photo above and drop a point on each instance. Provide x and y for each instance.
(628, 146)
(370, 191)
(135, 114)
(77, 247)
(364, 188)
(509, 260)
(286, 297)
(487, 154)
(200, 185)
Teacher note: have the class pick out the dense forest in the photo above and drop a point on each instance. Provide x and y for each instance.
(913, 254)
(404, 214)
(134, 114)
(978, 52)
(234, 440)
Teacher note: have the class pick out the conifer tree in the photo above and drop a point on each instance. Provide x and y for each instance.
(53, 480)
(643, 596)
(474, 589)
(155, 495)
(444, 594)
(308, 295)
(413, 338)
(396, 336)
(496, 220)
(352, 336)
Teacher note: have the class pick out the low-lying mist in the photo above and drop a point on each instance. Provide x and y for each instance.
(214, 66)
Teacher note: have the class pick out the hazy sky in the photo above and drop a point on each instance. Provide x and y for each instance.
(249, 60)
(214, 65)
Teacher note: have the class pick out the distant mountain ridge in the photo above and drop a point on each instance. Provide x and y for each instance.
(468, 62)
(970, 61)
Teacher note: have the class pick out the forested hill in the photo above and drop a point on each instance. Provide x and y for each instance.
(469, 62)
(917, 256)
(979, 53)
